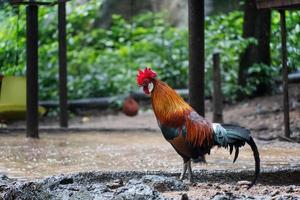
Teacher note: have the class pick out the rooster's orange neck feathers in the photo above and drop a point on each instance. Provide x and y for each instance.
(168, 106)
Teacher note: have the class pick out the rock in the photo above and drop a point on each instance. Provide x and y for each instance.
(290, 189)
(217, 187)
(265, 191)
(115, 184)
(282, 198)
(85, 119)
(29, 190)
(5, 179)
(61, 187)
(89, 186)
(274, 193)
(82, 192)
(229, 196)
(66, 181)
(243, 182)
(184, 197)
(135, 189)
(162, 183)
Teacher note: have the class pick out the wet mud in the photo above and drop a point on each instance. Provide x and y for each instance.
(57, 153)
(273, 184)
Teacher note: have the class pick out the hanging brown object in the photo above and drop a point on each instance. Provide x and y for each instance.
(130, 107)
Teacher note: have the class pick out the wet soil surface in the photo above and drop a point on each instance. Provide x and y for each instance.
(125, 150)
(30, 161)
(279, 184)
(118, 151)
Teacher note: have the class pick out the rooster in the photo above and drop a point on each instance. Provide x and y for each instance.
(191, 135)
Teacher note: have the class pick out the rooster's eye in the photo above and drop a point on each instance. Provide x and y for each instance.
(146, 82)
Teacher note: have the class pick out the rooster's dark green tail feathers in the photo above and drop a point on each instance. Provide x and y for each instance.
(257, 160)
(232, 136)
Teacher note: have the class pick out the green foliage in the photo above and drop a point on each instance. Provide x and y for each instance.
(12, 42)
(103, 62)
(224, 36)
(259, 74)
(293, 40)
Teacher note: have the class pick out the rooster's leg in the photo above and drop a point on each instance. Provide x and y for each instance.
(184, 170)
(190, 172)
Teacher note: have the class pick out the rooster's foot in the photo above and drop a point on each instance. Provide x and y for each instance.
(190, 172)
(183, 171)
(187, 167)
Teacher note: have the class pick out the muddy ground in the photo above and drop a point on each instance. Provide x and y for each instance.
(279, 184)
(138, 153)
(219, 179)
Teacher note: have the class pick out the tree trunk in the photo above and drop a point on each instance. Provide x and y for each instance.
(257, 24)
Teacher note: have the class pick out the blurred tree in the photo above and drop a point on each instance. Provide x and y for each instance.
(125, 8)
(257, 24)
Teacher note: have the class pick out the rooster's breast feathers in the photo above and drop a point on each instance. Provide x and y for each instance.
(176, 118)
(192, 138)
(196, 130)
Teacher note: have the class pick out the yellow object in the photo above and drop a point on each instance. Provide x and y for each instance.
(13, 98)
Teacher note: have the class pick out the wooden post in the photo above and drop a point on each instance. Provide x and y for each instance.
(63, 104)
(217, 90)
(196, 55)
(284, 74)
(32, 71)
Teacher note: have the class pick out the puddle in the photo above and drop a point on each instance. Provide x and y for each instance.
(77, 152)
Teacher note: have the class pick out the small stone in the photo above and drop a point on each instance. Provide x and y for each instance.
(290, 190)
(184, 197)
(274, 193)
(85, 119)
(217, 187)
(265, 191)
(224, 196)
(193, 184)
(116, 184)
(73, 188)
(243, 182)
(228, 193)
(135, 189)
(66, 181)
(162, 183)
(2, 125)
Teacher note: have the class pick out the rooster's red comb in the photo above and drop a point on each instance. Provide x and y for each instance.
(146, 74)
